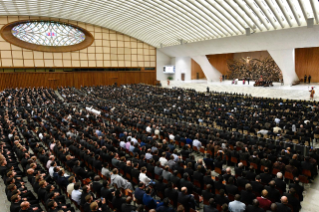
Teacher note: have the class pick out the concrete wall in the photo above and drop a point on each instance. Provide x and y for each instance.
(278, 43)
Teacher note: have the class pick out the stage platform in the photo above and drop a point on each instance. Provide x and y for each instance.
(300, 91)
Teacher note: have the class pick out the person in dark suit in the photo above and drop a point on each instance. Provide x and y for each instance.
(309, 78)
(292, 200)
(211, 207)
(239, 169)
(174, 179)
(280, 183)
(219, 184)
(247, 196)
(230, 187)
(254, 207)
(186, 200)
(221, 198)
(208, 192)
(257, 186)
(266, 176)
(207, 179)
(118, 200)
(250, 174)
(242, 181)
(127, 206)
(198, 175)
(105, 191)
(165, 207)
(282, 206)
(305, 78)
(273, 193)
(186, 183)
(171, 193)
(299, 189)
(96, 186)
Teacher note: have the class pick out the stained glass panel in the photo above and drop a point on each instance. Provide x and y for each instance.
(47, 33)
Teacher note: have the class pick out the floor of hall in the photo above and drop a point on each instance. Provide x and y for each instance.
(300, 92)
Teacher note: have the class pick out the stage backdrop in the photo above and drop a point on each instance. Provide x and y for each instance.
(246, 65)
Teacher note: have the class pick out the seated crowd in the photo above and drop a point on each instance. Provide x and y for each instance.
(143, 145)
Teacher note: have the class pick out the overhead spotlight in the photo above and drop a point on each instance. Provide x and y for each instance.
(309, 22)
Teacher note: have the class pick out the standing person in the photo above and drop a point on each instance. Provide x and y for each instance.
(312, 93)
(309, 78)
(221, 78)
(248, 80)
(305, 79)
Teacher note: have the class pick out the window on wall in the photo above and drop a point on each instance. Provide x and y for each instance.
(47, 33)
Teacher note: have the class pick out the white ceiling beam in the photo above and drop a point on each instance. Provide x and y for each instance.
(206, 33)
(263, 21)
(303, 10)
(275, 14)
(223, 18)
(281, 7)
(314, 10)
(248, 24)
(231, 14)
(248, 14)
(213, 18)
(291, 6)
(266, 14)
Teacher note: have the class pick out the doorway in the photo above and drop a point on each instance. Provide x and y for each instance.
(183, 76)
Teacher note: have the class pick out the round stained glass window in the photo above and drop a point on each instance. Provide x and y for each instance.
(47, 33)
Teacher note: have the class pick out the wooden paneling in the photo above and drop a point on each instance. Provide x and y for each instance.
(219, 61)
(76, 79)
(195, 68)
(307, 62)
(109, 49)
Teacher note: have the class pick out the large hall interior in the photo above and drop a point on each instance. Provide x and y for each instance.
(159, 105)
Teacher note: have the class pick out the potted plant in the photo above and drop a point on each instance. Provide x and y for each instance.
(168, 79)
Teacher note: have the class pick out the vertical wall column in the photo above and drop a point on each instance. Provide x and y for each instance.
(183, 65)
(162, 60)
(285, 60)
(212, 74)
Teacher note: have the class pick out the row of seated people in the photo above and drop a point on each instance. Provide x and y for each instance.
(115, 158)
(230, 112)
(115, 143)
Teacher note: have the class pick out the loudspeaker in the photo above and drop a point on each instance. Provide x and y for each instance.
(310, 23)
(247, 31)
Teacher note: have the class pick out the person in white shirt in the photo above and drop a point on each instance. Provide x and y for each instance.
(134, 140)
(143, 177)
(163, 159)
(148, 155)
(171, 137)
(148, 129)
(277, 120)
(122, 144)
(52, 158)
(70, 187)
(105, 170)
(157, 131)
(51, 169)
(197, 143)
(76, 193)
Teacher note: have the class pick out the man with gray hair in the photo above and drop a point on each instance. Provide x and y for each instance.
(280, 183)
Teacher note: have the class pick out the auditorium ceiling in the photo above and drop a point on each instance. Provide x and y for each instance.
(163, 23)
